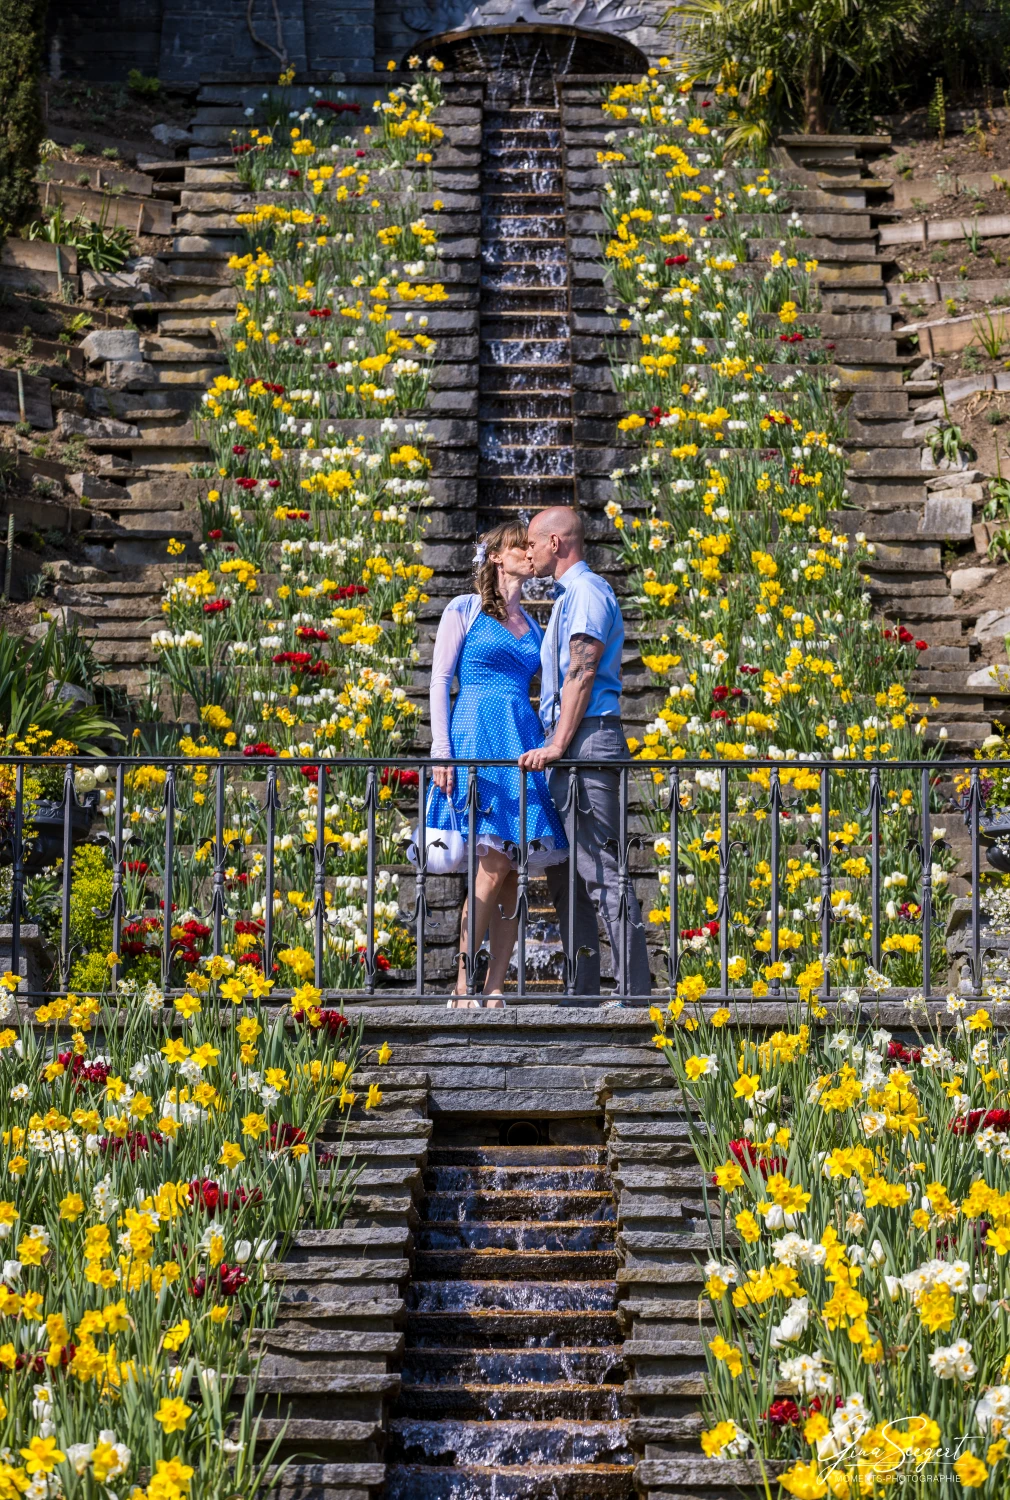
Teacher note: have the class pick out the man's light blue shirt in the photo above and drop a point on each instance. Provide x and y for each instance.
(586, 605)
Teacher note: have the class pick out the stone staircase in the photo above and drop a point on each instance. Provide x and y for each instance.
(554, 1343)
(513, 1372)
(329, 1367)
(518, 446)
(910, 513)
(523, 1320)
(544, 443)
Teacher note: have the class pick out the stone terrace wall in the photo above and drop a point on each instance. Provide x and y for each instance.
(183, 41)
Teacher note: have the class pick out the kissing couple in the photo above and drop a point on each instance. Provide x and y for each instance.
(495, 649)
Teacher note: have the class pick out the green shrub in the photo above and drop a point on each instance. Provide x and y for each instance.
(136, 81)
(22, 28)
(793, 61)
(90, 892)
(90, 973)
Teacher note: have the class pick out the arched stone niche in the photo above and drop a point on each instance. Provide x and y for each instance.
(464, 34)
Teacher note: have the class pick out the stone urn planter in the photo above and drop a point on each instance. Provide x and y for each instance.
(44, 831)
(994, 832)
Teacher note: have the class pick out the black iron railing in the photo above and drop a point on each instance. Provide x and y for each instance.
(761, 877)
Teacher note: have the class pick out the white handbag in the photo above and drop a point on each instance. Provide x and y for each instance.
(445, 849)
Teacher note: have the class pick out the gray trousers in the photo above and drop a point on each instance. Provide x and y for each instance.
(597, 881)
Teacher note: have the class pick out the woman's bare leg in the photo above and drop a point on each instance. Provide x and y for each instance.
(492, 869)
(504, 930)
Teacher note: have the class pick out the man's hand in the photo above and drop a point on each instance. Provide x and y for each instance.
(444, 778)
(541, 758)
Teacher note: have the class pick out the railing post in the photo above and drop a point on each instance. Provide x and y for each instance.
(319, 885)
(773, 916)
(118, 868)
(722, 905)
(927, 883)
(18, 871)
(166, 923)
(371, 807)
(825, 854)
(272, 804)
(68, 849)
(421, 879)
(571, 967)
(117, 903)
(875, 857)
(974, 807)
(522, 887)
(623, 884)
(220, 855)
(472, 804)
(673, 962)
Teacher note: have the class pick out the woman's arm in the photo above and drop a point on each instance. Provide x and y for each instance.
(449, 640)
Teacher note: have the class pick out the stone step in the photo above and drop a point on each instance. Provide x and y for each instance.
(144, 525)
(472, 1482)
(326, 1481)
(325, 1437)
(85, 605)
(864, 404)
(138, 630)
(304, 1350)
(123, 653)
(506, 1443)
(382, 1312)
(940, 518)
(494, 1329)
(544, 1401)
(133, 681)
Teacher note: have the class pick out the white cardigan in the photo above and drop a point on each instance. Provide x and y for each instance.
(457, 618)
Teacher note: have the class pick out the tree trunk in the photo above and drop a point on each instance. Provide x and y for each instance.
(814, 117)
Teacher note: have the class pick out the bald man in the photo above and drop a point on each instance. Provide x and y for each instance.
(580, 707)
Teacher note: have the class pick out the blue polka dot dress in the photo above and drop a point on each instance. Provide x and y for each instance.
(493, 719)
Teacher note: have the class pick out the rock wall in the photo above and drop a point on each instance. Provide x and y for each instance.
(182, 41)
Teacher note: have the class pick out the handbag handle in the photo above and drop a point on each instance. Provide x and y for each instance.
(452, 809)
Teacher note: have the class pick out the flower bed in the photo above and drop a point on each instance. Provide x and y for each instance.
(855, 1197)
(758, 627)
(160, 1152)
(152, 1172)
(297, 635)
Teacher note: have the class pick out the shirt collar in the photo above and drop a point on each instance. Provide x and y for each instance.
(574, 572)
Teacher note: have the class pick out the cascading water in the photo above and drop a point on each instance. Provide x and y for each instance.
(526, 453)
(512, 1375)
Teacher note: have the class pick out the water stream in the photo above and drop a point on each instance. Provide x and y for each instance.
(513, 1375)
(525, 431)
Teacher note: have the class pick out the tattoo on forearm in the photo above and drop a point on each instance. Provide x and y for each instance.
(585, 652)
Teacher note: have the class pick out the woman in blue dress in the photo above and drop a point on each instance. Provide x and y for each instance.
(489, 642)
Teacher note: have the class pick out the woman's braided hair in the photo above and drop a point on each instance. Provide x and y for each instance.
(509, 534)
